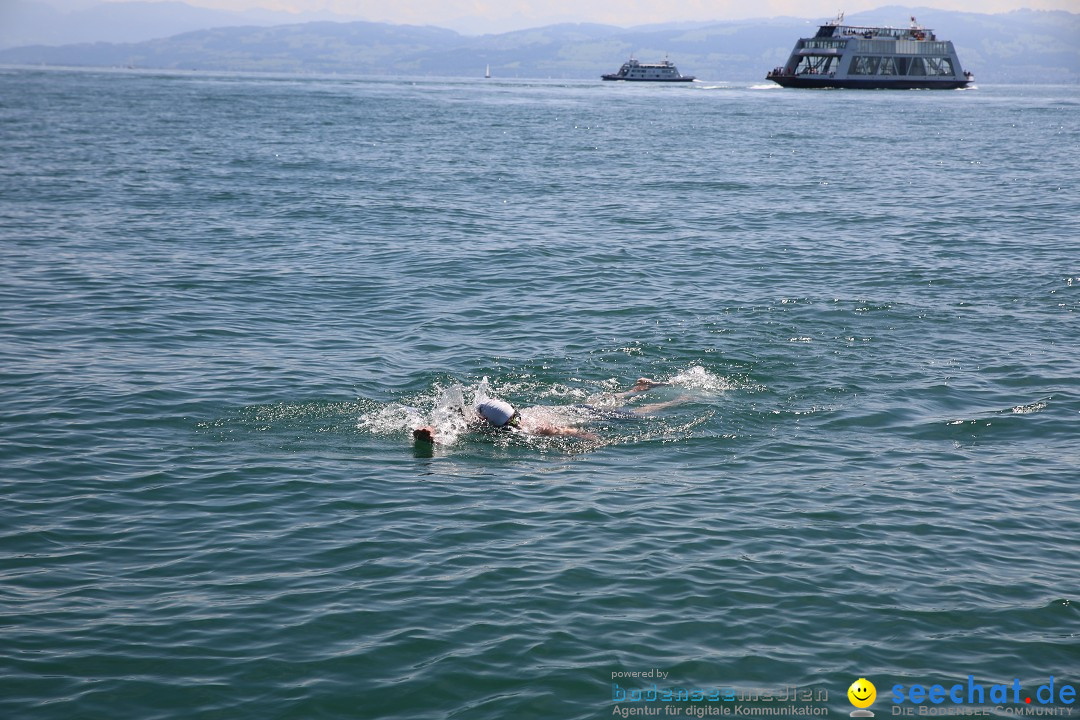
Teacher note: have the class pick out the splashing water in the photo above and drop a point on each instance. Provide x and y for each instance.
(450, 410)
(698, 378)
(444, 409)
(391, 419)
(1030, 408)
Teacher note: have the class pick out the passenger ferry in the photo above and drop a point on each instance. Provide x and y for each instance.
(664, 71)
(849, 56)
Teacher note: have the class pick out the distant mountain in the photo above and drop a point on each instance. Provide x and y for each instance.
(36, 22)
(1021, 46)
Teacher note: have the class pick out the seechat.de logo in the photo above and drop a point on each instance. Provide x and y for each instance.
(862, 694)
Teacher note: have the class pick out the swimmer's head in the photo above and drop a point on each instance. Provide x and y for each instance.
(497, 412)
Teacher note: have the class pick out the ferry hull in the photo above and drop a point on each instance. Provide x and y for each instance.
(802, 81)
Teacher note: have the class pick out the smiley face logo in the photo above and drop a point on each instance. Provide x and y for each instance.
(862, 693)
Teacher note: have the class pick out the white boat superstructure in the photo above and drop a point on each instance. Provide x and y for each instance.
(633, 70)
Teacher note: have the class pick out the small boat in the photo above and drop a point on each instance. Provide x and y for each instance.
(487, 72)
(872, 58)
(664, 71)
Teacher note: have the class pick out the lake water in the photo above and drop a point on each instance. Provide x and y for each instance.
(228, 299)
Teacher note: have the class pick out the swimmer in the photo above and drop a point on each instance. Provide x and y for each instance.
(501, 415)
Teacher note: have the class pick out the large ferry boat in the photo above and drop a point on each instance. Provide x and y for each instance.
(849, 56)
(664, 71)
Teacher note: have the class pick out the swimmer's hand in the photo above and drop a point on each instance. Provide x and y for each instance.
(644, 384)
(424, 435)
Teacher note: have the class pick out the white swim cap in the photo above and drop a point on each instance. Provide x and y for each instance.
(496, 412)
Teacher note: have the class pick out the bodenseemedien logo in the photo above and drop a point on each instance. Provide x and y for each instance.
(862, 694)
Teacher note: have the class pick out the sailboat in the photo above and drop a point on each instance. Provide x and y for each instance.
(487, 72)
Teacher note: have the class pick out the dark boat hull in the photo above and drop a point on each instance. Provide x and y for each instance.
(810, 81)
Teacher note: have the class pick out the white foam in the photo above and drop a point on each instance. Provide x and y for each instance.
(1030, 408)
(698, 378)
(391, 419)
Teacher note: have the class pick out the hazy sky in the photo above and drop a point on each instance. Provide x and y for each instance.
(480, 16)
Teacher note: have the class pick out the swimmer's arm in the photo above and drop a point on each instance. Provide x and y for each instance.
(562, 431)
(657, 407)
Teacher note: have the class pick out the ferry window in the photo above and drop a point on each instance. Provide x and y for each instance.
(816, 65)
(887, 67)
(817, 44)
(916, 67)
(876, 46)
(939, 66)
(862, 65)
